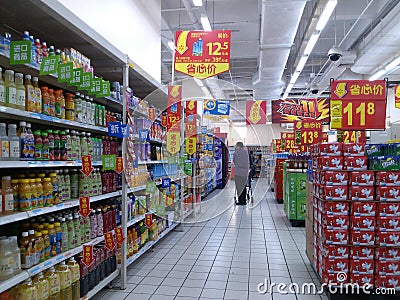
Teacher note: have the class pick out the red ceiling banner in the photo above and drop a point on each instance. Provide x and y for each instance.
(202, 54)
(256, 112)
(358, 104)
(288, 111)
(174, 109)
(397, 96)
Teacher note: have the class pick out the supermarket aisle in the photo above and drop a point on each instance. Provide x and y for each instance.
(223, 258)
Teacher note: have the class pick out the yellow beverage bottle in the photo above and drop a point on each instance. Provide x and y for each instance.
(34, 192)
(42, 287)
(20, 91)
(26, 290)
(39, 246)
(53, 279)
(75, 278)
(46, 244)
(30, 104)
(65, 281)
(11, 92)
(39, 192)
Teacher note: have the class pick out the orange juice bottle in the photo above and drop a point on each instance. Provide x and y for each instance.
(48, 192)
(24, 195)
(46, 244)
(34, 193)
(39, 194)
(25, 247)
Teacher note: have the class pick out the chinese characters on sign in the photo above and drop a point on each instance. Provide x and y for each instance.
(86, 165)
(65, 72)
(88, 255)
(191, 127)
(190, 144)
(165, 182)
(397, 96)
(173, 142)
(84, 206)
(95, 85)
(256, 112)
(307, 132)
(86, 83)
(77, 77)
(109, 241)
(20, 52)
(104, 89)
(216, 109)
(202, 54)
(49, 65)
(119, 165)
(148, 220)
(109, 162)
(151, 113)
(358, 104)
(174, 109)
(119, 235)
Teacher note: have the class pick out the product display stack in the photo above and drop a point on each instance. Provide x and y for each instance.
(278, 176)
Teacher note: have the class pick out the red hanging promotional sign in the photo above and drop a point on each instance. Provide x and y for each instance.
(287, 140)
(174, 109)
(148, 220)
(109, 241)
(202, 54)
(119, 235)
(190, 118)
(84, 206)
(88, 257)
(307, 132)
(397, 96)
(151, 113)
(358, 104)
(86, 165)
(164, 120)
(119, 165)
(256, 112)
(288, 111)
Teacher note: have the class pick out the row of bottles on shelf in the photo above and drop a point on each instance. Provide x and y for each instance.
(52, 145)
(298, 161)
(31, 191)
(15, 92)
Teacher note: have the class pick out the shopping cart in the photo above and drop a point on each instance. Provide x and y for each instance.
(249, 192)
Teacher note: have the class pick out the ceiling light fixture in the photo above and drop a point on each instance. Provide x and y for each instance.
(326, 14)
(171, 45)
(377, 74)
(301, 64)
(198, 81)
(198, 2)
(392, 64)
(311, 43)
(206, 23)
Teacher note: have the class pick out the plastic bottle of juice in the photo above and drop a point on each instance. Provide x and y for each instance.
(51, 51)
(93, 224)
(24, 195)
(70, 107)
(71, 233)
(74, 143)
(39, 189)
(20, 91)
(78, 107)
(60, 104)
(4, 141)
(53, 279)
(7, 194)
(24, 142)
(38, 144)
(15, 187)
(53, 240)
(61, 185)
(34, 254)
(48, 192)
(89, 144)
(57, 153)
(34, 192)
(67, 179)
(74, 184)
(6, 260)
(84, 145)
(64, 236)
(31, 142)
(38, 95)
(25, 248)
(30, 97)
(13, 141)
(75, 278)
(46, 146)
(46, 109)
(84, 110)
(54, 182)
(77, 230)
(83, 185)
(38, 50)
(46, 244)
(86, 222)
(26, 290)
(99, 216)
(68, 145)
(63, 146)
(57, 227)
(44, 50)
(82, 227)
(2, 89)
(65, 281)
(9, 86)
(52, 103)
(51, 144)
(16, 253)
(42, 286)
(40, 247)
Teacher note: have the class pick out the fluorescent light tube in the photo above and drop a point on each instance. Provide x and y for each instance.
(171, 45)
(285, 95)
(301, 64)
(311, 43)
(392, 65)
(377, 75)
(198, 2)
(199, 82)
(326, 14)
(294, 77)
(206, 23)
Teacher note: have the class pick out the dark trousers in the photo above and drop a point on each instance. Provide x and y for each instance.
(240, 183)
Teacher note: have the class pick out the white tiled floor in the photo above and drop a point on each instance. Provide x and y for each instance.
(225, 257)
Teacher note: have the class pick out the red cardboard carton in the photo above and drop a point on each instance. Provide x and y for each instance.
(362, 253)
(353, 149)
(389, 224)
(388, 267)
(327, 163)
(389, 209)
(362, 279)
(361, 192)
(387, 253)
(335, 222)
(388, 193)
(362, 266)
(362, 178)
(388, 238)
(338, 192)
(363, 208)
(387, 281)
(335, 251)
(334, 178)
(363, 223)
(362, 238)
(330, 149)
(335, 265)
(335, 208)
(357, 163)
(388, 178)
(334, 237)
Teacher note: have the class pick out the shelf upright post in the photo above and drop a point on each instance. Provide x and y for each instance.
(124, 210)
(194, 188)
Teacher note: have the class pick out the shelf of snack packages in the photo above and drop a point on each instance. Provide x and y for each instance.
(352, 213)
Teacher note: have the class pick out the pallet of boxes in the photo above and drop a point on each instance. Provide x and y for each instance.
(356, 216)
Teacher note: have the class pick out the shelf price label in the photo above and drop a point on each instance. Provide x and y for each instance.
(202, 54)
(88, 257)
(287, 141)
(119, 165)
(307, 132)
(358, 105)
(20, 52)
(86, 83)
(65, 72)
(109, 241)
(119, 235)
(148, 220)
(87, 165)
(49, 65)
(108, 162)
(77, 77)
(84, 206)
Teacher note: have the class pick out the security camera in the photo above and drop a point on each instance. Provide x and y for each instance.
(314, 90)
(335, 53)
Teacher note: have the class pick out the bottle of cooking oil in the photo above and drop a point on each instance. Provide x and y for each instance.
(26, 290)
(65, 281)
(53, 279)
(75, 278)
(42, 287)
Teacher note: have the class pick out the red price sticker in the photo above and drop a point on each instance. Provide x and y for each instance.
(354, 136)
(109, 241)
(119, 235)
(358, 105)
(148, 220)
(88, 257)
(119, 165)
(87, 165)
(84, 206)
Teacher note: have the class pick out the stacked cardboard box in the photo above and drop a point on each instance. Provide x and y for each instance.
(278, 176)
